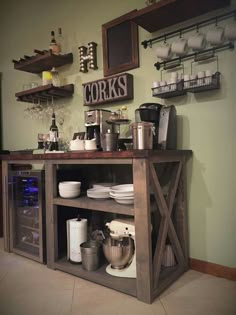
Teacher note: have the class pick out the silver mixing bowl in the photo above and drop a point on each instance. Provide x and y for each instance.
(118, 252)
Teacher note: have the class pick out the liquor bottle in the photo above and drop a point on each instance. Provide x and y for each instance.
(53, 44)
(53, 146)
(60, 40)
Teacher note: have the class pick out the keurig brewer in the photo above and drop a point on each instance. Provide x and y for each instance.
(164, 121)
(96, 125)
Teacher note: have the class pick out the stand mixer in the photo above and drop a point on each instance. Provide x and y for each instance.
(122, 257)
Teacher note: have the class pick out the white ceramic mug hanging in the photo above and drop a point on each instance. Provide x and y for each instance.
(164, 51)
(179, 47)
(215, 36)
(197, 41)
(230, 31)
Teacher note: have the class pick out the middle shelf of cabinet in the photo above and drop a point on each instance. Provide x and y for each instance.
(84, 202)
(45, 93)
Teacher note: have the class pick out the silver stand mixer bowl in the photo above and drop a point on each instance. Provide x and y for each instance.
(119, 252)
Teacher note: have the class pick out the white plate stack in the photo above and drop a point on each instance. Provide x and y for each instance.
(69, 189)
(123, 194)
(99, 193)
(103, 184)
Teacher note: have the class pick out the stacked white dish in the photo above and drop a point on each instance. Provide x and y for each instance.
(123, 194)
(69, 189)
(99, 192)
(100, 185)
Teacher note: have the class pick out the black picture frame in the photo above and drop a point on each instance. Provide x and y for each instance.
(120, 45)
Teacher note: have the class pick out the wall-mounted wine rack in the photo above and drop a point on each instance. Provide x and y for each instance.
(43, 60)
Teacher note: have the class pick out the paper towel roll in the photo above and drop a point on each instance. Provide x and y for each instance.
(76, 234)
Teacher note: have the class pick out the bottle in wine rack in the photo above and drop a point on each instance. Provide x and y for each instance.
(54, 47)
(60, 41)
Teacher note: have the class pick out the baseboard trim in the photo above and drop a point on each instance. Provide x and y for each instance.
(213, 269)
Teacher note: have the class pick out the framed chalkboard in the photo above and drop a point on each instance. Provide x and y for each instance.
(120, 45)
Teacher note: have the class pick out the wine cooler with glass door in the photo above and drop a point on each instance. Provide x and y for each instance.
(27, 214)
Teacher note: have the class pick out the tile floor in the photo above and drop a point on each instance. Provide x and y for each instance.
(27, 287)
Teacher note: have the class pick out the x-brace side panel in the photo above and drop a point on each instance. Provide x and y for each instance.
(167, 228)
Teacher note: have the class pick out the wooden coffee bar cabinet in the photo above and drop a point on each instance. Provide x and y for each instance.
(159, 211)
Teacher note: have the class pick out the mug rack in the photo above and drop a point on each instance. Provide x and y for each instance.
(169, 90)
(195, 85)
(207, 82)
(172, 63)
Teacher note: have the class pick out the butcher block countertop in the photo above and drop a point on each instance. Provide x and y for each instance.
(98, 155)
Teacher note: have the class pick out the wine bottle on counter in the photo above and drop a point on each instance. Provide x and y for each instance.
(53, 134)
(54, 47)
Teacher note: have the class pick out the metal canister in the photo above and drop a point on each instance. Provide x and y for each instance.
(111, 141)
(142, 133)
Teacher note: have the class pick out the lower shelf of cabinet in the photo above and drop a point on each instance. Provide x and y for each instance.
(125, 285)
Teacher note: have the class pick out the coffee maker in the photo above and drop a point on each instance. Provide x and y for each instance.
(164, 120)
(96, 125)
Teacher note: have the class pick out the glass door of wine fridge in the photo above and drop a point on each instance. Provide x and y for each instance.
(27, 214)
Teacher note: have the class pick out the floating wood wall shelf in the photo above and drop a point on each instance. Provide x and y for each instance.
(43, 60)
(165, 13)
(45, 93)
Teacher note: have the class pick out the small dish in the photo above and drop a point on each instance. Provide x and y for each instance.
(123, 187)
(100, 185)
(125, 201)
(98, 197)
(123, 195)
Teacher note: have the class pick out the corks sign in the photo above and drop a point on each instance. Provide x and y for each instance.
(108, 90)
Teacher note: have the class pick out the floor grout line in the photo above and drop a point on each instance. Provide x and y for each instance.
(4, 276)
(162, 306)
(72, 298)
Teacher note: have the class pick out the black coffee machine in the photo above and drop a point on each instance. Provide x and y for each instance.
(164, 119)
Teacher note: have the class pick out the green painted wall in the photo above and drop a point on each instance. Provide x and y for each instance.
(206, 122)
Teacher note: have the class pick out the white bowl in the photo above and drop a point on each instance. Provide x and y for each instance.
(74, 183)
(70, 184)
(65, 194)
(123, 187)
(69, 191)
